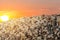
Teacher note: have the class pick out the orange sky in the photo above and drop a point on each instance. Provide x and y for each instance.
(19, 8)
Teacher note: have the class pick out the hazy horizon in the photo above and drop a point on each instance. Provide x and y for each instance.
(30, 7)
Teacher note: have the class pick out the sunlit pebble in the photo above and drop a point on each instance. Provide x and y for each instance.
(38, 38)
(58, 33)
(18, 35)
(57, 29)
(7, 39)
(49, 36)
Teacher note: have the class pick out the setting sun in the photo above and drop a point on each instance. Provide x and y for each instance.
(4, 18)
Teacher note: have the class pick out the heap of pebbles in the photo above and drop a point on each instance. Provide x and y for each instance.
(45, 27)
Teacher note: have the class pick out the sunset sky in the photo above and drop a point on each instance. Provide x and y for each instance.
(18, 8)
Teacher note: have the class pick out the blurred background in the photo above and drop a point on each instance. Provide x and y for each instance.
(21, 8)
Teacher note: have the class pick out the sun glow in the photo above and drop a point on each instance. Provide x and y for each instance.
(4, 18)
